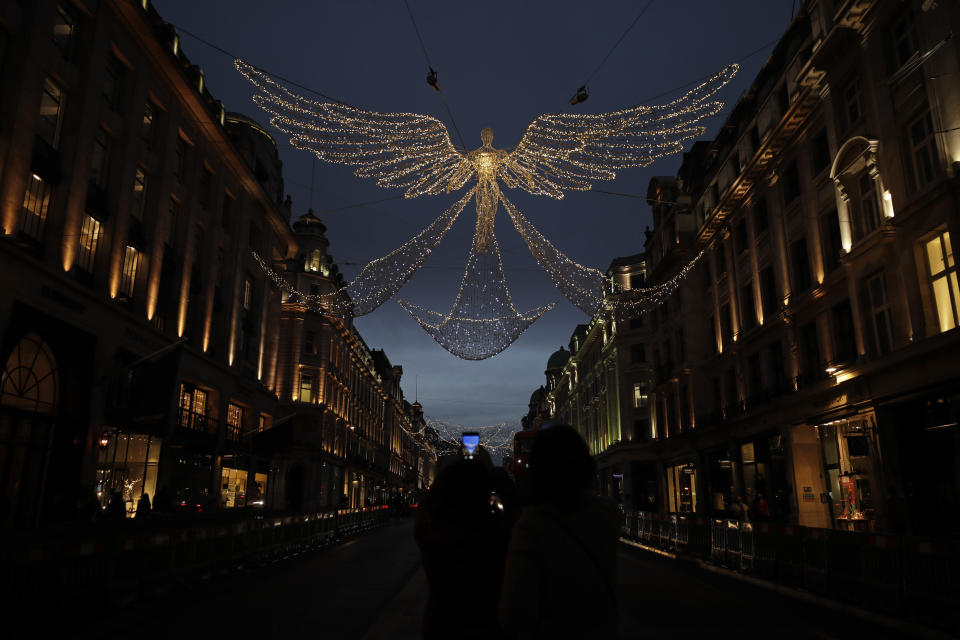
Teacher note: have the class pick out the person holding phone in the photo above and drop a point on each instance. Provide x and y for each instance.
(463, 541)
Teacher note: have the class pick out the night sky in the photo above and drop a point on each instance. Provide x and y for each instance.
(501, 63)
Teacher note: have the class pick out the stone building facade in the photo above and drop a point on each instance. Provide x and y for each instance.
(810, 357)
(138, 337)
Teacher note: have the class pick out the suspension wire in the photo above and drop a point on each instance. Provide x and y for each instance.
(261, 69)
(426, 57)
(617, 43)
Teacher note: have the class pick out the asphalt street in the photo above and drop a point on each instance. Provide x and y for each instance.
(372, 587)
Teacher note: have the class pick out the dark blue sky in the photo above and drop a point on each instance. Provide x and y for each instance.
(501, 64)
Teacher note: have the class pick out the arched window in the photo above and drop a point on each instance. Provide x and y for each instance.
(29, 378)
(313, 262)
(863, 203)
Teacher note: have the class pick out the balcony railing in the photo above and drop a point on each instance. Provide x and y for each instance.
(196, 421)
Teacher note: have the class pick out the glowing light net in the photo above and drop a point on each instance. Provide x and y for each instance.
(412, 151)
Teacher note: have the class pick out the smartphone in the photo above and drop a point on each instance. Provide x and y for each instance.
(470, 440)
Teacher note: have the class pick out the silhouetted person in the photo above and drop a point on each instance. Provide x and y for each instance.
(462, 537)
(560, 575)
(143, 505)
(760, 508)
(117, 507)
(162, 502)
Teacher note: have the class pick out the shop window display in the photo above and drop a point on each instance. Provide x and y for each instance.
(233, 487)
(848, 461)
(682, 488)
(128, 464)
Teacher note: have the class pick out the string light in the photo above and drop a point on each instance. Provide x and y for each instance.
(496, 439)
(483, 320)
(412, 151)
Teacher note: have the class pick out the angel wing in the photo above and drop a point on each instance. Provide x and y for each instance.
(405, 150)
(566, 151)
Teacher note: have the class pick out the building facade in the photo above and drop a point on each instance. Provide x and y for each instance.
(346, 437)
(138, 336)
(807, 365)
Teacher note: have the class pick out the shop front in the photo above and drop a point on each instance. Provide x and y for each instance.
(851, 471)
(682, 488)
(127, 464)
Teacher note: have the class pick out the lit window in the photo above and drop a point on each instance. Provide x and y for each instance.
(51, 112)
(139, 194)
(640, 396)
(100, 158)
(193, 407)
(943, 280)
(64, 25)
(128, 277)
(313, 264)
(306, 388)
(234, 421)
(89, 239)
(36, 202)
(925, 164)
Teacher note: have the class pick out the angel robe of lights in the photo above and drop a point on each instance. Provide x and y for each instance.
(413, 152)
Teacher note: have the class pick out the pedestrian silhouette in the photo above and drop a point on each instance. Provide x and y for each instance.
(117, 507)
(143, 505)
(462, 535)
(560, 575)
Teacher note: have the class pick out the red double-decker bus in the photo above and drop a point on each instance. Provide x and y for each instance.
(522, 445)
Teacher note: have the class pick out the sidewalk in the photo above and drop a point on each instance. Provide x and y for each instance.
(401, 618)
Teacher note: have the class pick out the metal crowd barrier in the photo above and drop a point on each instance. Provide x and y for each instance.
(898, 575)
(125, 559)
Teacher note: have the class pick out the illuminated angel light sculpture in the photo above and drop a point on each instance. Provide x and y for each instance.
(413, 152)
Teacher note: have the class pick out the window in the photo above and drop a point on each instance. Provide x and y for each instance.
(51, 112)
(801, 265)
(310, 343)
(206, 185)
(306, 388)
(139, 194)
(640, 396)
(234, 421)
(778, 371)
(768, 291)
(791, 183)
(810, 351)
(262, 424)
(924, 161)
(193, 407)
(253, 236)
(180, 160)
(113, 81)
(754, 373)
(903, 40)
(820, 153)
(89, 239)
(637, 281)
(64, 27)
(761, 220)
(869, 212)
(740, 243)
(100, 158)
(128, 277)
(726, 331)
(36, 202)
(748, 306)
(637, 353)
(247, 294)
(173, 216)
(845, 341)
(882, 338)
(830, 234)
(851, 104)
(149, 130)
(942, 268)
(721, 254)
